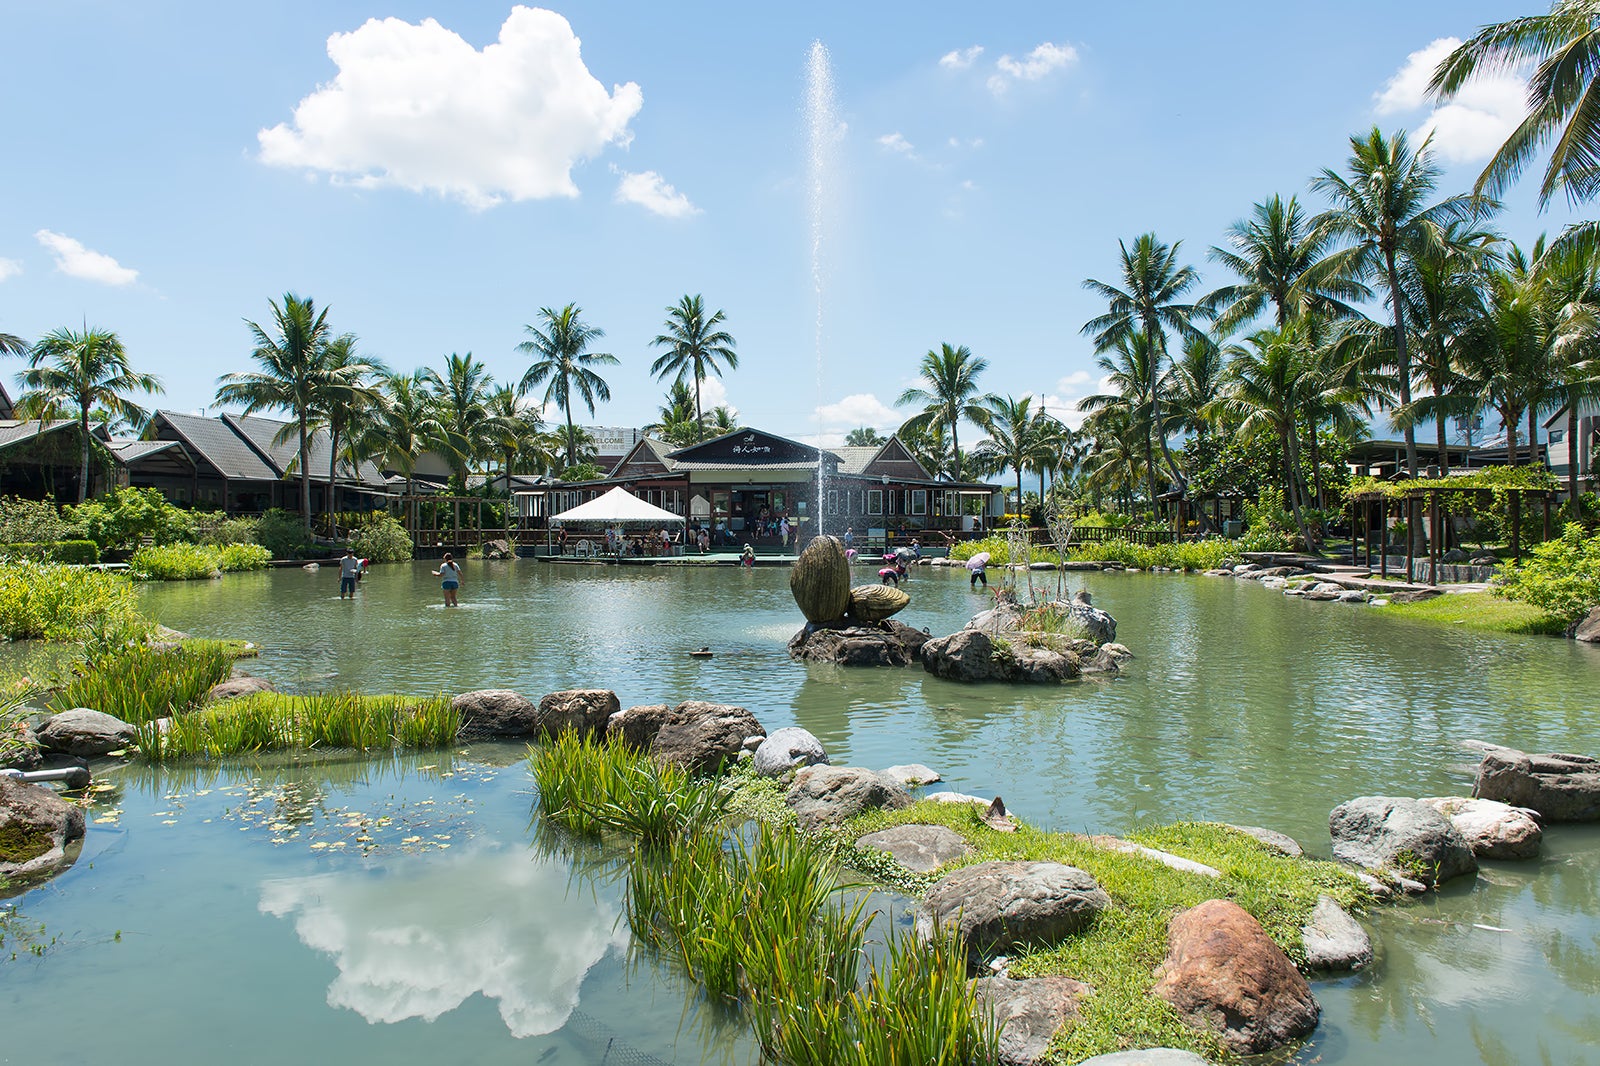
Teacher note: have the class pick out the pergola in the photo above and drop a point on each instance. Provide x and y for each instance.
(1412, 503)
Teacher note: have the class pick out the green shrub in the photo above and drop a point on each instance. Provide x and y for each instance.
(60, 551)
(33, 522)
(282, 534)
(51, 601)
(1180, 555)
(1560, 577)
(175, 562)
(139, 684)
(382, 540)
(216, 528)
(234, 557)
(123, 518)
(271, 721)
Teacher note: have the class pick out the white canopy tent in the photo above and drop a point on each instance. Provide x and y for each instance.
(619, 507)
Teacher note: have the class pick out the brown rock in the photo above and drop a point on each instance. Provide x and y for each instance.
(36, 826)
(1223, 972)
(1029, 1012)
(700, 736)
(637, 726)
(585, 711)
(234, 687)
(496, 712)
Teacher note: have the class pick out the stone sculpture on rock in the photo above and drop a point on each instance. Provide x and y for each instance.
(820, 581)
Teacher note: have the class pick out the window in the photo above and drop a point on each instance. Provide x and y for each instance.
(833, 501)
(1556, 435)
(919, 501)
(892, 498)
(875, 501)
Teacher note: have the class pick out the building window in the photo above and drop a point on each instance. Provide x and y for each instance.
(875, 501)
(919, 501)
(1556, 435)
(890, 501)
(833, 501)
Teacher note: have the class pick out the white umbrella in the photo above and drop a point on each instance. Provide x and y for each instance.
(978, 561)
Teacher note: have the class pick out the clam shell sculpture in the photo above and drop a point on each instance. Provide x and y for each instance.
(874, 603)
(820, 581)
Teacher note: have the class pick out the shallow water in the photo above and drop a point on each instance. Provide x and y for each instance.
(1243, 705)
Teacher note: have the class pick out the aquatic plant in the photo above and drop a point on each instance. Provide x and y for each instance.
(269, 721)
(588, 787)
(50, 601)
(138, 683)
(186, 562)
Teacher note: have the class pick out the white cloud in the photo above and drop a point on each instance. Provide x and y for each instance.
(1476, 121)
(527, 942)
(9, 268)
(714, 394)
(1035, 65)
(896, 142)
(418, 107)
(650, 191)
(1063, 401)
(76, 261)
(834, 420)
(961, 58)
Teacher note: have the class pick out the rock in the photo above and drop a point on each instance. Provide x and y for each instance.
(585, 711)
(1324, 590)
(921, 849)
(1043, 565)
(1097, 625)
(234, 687)
(1402, 836)
(996, 906)
(957, 797)
(966, 655)
(699, 736)
(1588, 630)
(833, 794)
(1155, 1056)
(24, 754)
(887, 643)
(820, 580)
(1107, 659)
(788, 749)
(498, 549)
(496, 712)
(1493, 830)
(911, 774)
(82, 731)
(637, 726)
(1561, 788)
(1454, 555)
(1333, 940)
(1165, 858)
(36, 825)
(875, 603)
(311, 566)
(972, 655)
(1005, 618)
(1279, 842)
(752, 743)
(1486, 559)
(1224, 973)
(1352, 596)
(1029, 1012)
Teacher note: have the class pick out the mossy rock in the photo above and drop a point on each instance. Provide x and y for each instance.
(874, 603)
(820, 581)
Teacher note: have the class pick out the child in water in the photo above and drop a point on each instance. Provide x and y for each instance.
(747, 558)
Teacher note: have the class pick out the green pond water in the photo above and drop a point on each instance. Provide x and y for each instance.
(411, 909)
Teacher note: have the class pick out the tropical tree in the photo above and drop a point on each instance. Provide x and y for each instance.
(346, 401)
(408, 422)
(1117, 460)
(1278, 256)
(1507, 352)
(1563, 96)
(289, 376)
(1131, 374)
(721, 419)
(695, 343)
(82, 370)
(1149, 301)
(1265, 392)
(1011, 443)
(11, 344)
(560, 351)
(1192, 384)
(676, 421)
(948, 394)
(515, 430)
(1574, 270)
(862, 437)
(463, 399)
(1380, 206)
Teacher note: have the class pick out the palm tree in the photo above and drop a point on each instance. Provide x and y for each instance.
(950, 376)
(1277, 255)
(289, 377)
(513, 428)
(1574, 271)
(560, 351)
(695, 343)
(83, 370)
(720, 419)
(862, 437)
(1266, 379)
(345, 400)
(408, 424)
(11, 344)
(676, 421)
(1192, 384)
(463, 398)
(1117, 460)
(1381, 207)
(1507, 351)
(1011, 442)
(1563, 95)
(1132, 378)
(1148, 302)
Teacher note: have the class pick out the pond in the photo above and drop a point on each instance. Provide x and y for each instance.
(408, 908)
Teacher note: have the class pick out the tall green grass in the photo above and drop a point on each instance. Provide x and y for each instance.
(139, 684)
(188, 562)
(1181, 555)
(272, 721)
(589, 787)
(49, 601)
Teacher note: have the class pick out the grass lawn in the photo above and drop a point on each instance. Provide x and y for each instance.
(1480, 610)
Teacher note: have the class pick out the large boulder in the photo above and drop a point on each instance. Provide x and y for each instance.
(887, 643)
(36, 826)
(1282, 843)
(876, 603)
(1029, 1012)
(700, 736)
(1333, 940)
(584, 711)
(1400, 835)
(921, 849)
(496, 712)
(974, 655)
(912, 774)
(498, 549)
(788, 749)
(833, 794)
(23, 753)
(1588, 630)
(1493, 830)
(820, 580)
(1097, 625)
(966, 655)
(1224, 973)
(637, 727)
(82, 731)
(997, 906)
(1007, 617)
(236, 686)
(1561, 788)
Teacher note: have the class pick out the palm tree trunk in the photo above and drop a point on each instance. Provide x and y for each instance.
(699, 419)
(1444, 452)
(1150, 474)
(1316, 462)
(1292, 455)
(305, 476)
(1403, 355)
(83, 472)
(333, 471)
(571, 437)
(1510, 417)
(1533, 436)
(1572, 455)
(955, 447)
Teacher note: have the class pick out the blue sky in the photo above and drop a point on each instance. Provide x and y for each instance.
(172, 166)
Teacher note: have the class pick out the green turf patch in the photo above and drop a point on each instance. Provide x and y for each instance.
(1482, 611)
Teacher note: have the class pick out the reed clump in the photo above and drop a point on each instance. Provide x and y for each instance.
(273, 721)
(139, 683)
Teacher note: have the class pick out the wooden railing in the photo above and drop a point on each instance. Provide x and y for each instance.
(1101, 534)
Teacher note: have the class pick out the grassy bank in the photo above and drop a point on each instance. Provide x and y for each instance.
(272, 721)
(1187, 555)
(1482, 611)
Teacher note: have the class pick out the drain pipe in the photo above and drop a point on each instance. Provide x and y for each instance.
(75, 776)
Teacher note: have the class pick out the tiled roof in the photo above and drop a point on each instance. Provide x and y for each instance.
(854, 459)
(262, 431)
(14, 432)
(131, 451)
(216, 442)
